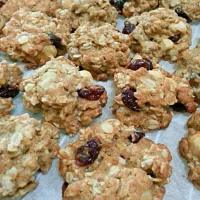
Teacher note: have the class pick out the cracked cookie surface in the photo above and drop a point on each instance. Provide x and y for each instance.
(189, 149)
(75, 100)
(34, 37)
(106, 160)
(25, 148)
(189, 68)
(7, 8)
(96, 12)
(189, 9)
(99, 50)
(10, 78)
(157, 40)
(143, 96)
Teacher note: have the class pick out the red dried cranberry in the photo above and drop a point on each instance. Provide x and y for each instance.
(1, 4)
(88, 153)
(8, 91)
(128, 28)
(136, 137)
(118, 4)
(179, 107)
(56, 41)
(129, 100)
(136, 64)
(175, 38)
(92, 93)
(64, 187)
(182, 14)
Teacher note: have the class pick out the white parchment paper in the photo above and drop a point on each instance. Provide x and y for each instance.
(50, 184)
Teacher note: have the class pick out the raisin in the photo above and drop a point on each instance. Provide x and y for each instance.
(88, 153)
(92, 93)
(80, 68)
(56, 41)
(64, 187)
(129, 100)
(136, 137)
(8, 91)
(1, 4)
(175, 38)
(118, 4)
(179, 107)
(128, 28)
(182, 14)
(136, 64)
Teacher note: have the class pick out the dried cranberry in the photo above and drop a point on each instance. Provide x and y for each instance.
(179, 107)
(8, 91)
(92, 93)
(88, 153)
(182, 14)
(136, 137)
(128, 28)
(1, 4)
(80, 68)
(64, 187)
(175, 38)
(118, 4)
(136, 64)
(129, 100)
(56, 41)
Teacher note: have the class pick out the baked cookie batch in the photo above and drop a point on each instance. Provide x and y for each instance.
(111, 159)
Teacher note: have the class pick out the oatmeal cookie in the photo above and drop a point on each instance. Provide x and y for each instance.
(7, 8)
(188, 9)
(144, 95)
(189, 68)
(25, 148)
(93, 11)
(189, 149)
(99, 50)
(112, 161)
(75, 98)
(34, 37)
(10, 78)
(157, 40)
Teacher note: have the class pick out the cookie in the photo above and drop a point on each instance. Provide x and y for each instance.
(25, 148)
(190, 150)
(93, 11)
(145, 94)
(7, 8)
(112, 161)
(188, 9)
(34, 37)
(157, 40)
(99, 50)
(189, 68)
(10, 78)
(76, 99)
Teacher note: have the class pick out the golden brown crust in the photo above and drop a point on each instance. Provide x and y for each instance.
(99, 50)
(65, 109)
(28, 37)
(25, 148)
(189, 148)
(154, 91)
(118, 158)
(151, 37)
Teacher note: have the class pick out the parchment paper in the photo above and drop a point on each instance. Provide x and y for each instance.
(49, 185)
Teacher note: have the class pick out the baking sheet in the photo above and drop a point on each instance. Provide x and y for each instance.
(49, 185)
